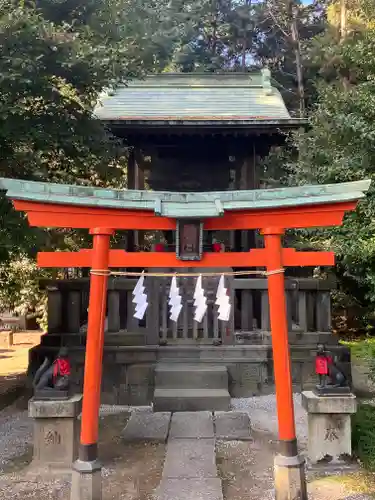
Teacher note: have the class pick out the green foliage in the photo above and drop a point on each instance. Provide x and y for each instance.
(364, 349)
(19, 289)
(340, 147)
(363, 435)
(217, 35)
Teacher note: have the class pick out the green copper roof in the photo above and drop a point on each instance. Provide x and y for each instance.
(232, 97)
(173, 204)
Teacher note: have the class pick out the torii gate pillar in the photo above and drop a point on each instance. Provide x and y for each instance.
(290, 480)
(87, 470)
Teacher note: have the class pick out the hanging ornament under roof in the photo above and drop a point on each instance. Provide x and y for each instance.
(175, 300)
(140, 299)
(222, 300)
(200, 301)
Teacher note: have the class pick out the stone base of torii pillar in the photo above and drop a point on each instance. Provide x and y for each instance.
(86, 481)
(290, 480)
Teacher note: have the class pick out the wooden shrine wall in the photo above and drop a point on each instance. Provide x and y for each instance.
(308, 311)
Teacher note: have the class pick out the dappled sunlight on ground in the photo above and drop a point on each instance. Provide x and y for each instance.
(14, 359)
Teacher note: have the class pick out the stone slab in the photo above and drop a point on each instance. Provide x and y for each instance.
(313, 403)
(191, 376)
(144, 426)
(332, 391)
(190, 459)
(191, 399)
(232, 425)
(189, 489)
(48, 394)
(192, 425)
(69, 408)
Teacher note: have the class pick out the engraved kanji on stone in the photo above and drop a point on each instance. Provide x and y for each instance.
(52, 438)
(331, 434)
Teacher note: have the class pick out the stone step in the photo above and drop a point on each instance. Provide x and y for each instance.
(191, 399)
(191, 376)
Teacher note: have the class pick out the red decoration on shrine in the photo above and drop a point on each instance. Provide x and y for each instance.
(159, 247)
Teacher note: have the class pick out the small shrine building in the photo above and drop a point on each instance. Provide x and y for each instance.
(197, 132)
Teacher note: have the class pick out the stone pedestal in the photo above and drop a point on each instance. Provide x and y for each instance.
(329, 427)
(86, 481)
(56, 433)
(290, 480)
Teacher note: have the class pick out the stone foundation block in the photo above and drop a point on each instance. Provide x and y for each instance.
(86, 481)
(232, 426)
(56, 433)
(329, 426)
(143, 426)
(290, 480)
(140, 375)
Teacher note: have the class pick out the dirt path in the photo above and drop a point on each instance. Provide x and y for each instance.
(13, 366)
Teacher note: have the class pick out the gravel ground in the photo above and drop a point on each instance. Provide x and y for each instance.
(15, 435)
(263, 415)
(16, 430)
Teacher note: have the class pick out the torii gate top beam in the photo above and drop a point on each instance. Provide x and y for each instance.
(55, 205)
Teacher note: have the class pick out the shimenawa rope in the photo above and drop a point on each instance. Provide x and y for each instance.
(107, 272)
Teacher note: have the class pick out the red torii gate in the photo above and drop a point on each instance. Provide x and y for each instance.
(326, 206)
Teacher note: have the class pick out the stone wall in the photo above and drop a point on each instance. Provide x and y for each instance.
(128, 372)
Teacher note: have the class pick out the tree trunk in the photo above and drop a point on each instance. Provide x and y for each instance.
(297, 52)
(244, 42)
(343, 33)
(214, 24)
(343, 19)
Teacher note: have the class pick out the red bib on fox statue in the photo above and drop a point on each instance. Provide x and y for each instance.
(322, 364)
(61, 368)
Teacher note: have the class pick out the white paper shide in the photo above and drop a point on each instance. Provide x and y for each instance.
(222, 300)
(200, 301)
(140, 298)
(175, 300)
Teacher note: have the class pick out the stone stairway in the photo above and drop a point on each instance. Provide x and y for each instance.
(191, 387)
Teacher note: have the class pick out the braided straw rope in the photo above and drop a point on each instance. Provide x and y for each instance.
(107, 272)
